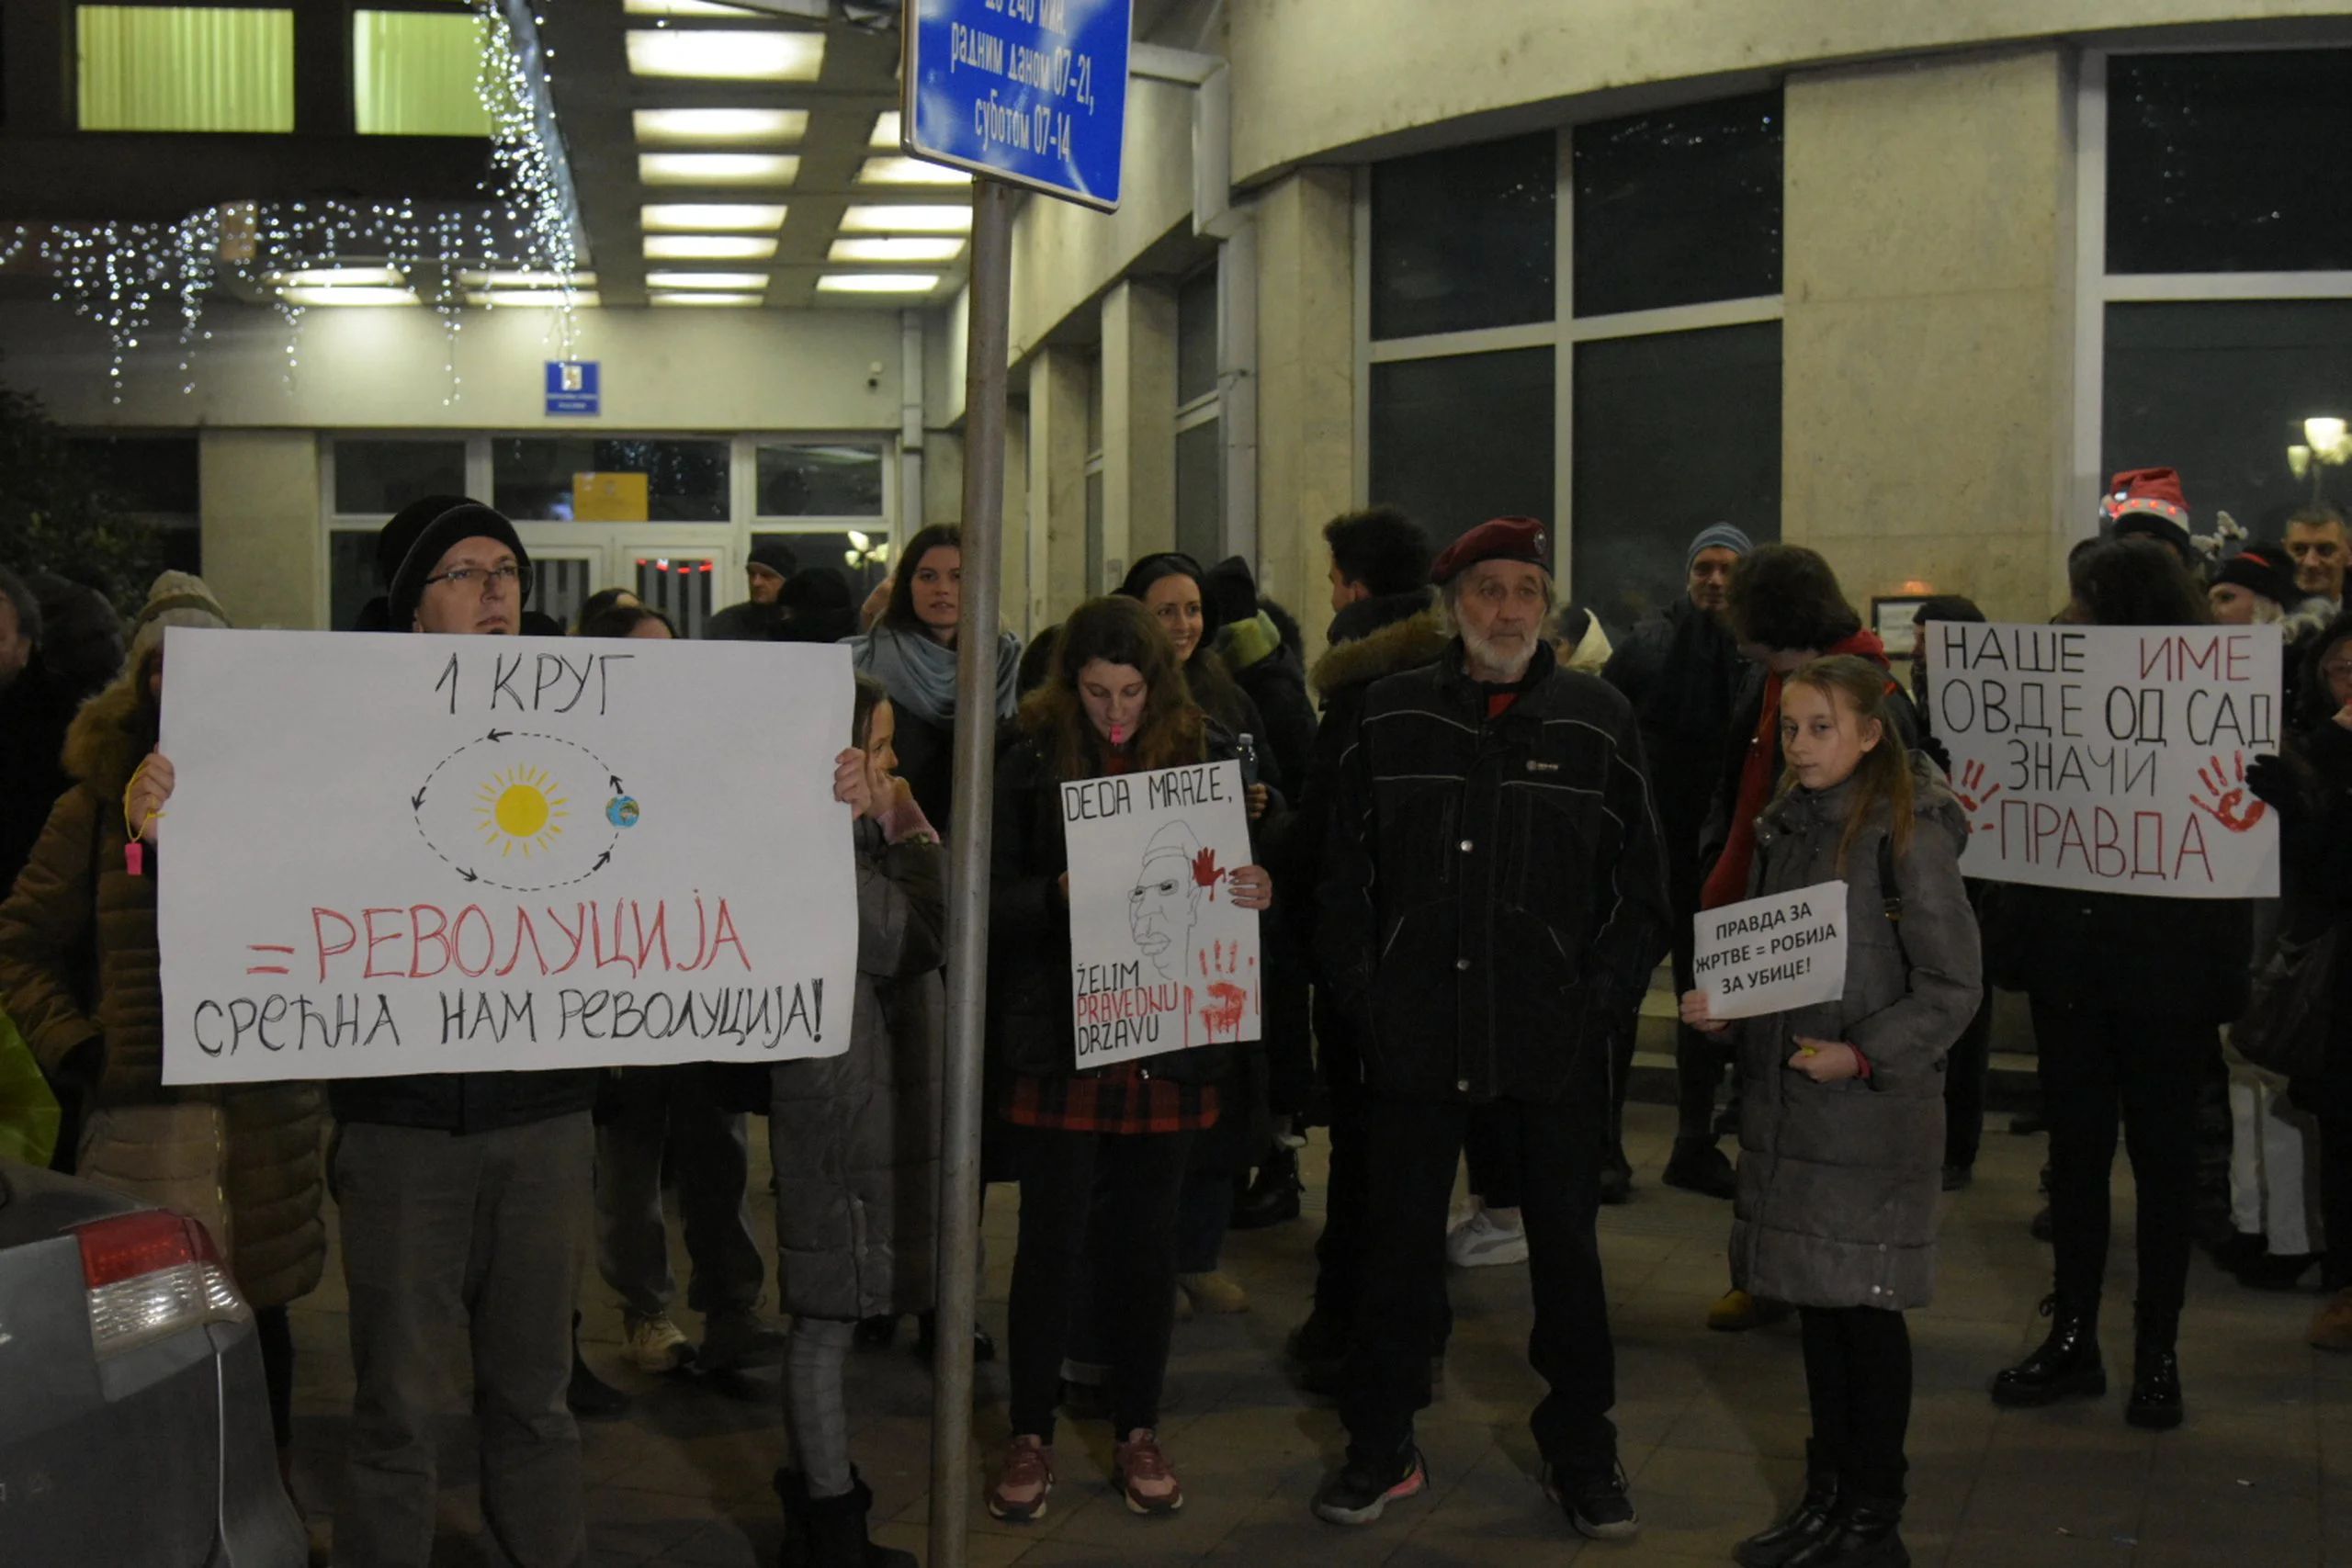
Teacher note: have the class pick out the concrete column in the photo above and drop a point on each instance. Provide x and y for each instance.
(1056, 484)
(1306, 385)
(1928, 383)
(264, 540)
(1139, 424)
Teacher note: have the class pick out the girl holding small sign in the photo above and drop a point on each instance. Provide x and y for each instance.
(1841, 1116)
(1116, 703)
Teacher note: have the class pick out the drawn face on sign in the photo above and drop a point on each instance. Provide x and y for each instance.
(1166, 899)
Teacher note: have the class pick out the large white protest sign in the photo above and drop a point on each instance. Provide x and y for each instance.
(1160, 956)
(408, 854)
(2111, 757)
(1769, 955)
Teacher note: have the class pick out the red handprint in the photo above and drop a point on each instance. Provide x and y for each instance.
(1970, 791)
(1205, 871)
(2233, 805)
(1226, 998)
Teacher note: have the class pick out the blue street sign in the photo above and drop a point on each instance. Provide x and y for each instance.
(1033, 91)
(571, 386)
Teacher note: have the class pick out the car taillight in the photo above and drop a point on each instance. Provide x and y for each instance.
(150, 1274)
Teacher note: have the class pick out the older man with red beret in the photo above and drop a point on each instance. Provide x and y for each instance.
(1494, 897)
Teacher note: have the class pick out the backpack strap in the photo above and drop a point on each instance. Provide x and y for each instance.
(1890, 894)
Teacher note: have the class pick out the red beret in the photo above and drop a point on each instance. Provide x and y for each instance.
(1501, 538)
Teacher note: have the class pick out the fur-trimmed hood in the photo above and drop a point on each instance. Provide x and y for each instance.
(105, 742)
(1409, 644)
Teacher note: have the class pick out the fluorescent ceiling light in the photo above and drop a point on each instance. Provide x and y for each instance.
(555, 280)
(910, 171)
(707, 247)
(349, 296)
(886, 130)
(687, 128)
(899, 248)
(717, 168)
(730, 56)
(541, 297)
(878, 283)
(737, 280)
(710, 298)
(340, 278)
(685, 218)
(942, 220)
(686, 8)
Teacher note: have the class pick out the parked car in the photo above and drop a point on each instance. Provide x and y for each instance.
(135, 1425)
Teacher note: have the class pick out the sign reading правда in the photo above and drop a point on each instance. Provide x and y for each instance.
(1769, 954)
(1033, 92)
(2111, 757)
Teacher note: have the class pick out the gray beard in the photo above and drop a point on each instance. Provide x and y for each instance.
(1491, 656)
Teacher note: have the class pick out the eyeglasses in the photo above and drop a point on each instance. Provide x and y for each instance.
(517, 576)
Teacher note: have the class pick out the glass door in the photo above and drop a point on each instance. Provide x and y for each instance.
(684, 584)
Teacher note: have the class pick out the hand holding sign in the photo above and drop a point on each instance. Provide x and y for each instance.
(1769, 954)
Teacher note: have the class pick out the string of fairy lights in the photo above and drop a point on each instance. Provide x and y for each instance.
(145, 282)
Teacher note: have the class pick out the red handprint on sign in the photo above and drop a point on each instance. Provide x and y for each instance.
(1970, 791)
(2233, 805)
(1226, 999)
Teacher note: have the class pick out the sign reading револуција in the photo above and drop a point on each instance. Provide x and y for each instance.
(2111, 758)
(1160, 957)
(1769, 954)
(410, 854)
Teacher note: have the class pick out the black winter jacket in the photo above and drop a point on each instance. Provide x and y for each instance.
(1276, 682)
(1494, 890)
(1681, 672)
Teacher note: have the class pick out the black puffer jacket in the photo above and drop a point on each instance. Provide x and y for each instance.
(1681, 672)
(1494, 890)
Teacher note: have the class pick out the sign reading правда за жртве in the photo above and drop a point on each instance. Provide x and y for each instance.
(2111, 758)
(1033, 92)
(1769, 955)
(415, 854)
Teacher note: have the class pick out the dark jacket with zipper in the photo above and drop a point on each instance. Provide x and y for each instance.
(1494, 889)
(1030, 1028)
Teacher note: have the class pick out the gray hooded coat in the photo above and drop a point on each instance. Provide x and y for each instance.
(1840, 1183)
(855, 1137)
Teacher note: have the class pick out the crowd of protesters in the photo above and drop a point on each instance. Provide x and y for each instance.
(1478, 829)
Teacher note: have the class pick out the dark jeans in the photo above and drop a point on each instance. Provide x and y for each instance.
(1490, 1144)
(1858, 1376)
(274, 1336)
(1410, 1149)
(1204, 1212)
(1132, 1254)
(2097, 1063)
(669, 1115)
(1965, 1068)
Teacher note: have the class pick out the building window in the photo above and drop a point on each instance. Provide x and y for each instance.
(862, 557)
(834, 479)
(1465, 238)
(1679, 207)
(376, 478)
(619, 479)
(153, 479)
(417, 74)
(183, 68)
(1200, 491)
(1461, 438)
(1673, 431)
(1196, 337)
(2230, 163)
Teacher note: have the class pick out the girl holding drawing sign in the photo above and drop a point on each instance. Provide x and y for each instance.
(1116, 703)
(1841, 1123)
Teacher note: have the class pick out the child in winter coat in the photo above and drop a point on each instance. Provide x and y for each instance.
(1841, 1128)
(855, 1142)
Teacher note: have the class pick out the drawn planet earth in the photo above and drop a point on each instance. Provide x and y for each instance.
(621, 811)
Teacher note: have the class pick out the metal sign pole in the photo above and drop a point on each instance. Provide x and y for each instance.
(967, 878)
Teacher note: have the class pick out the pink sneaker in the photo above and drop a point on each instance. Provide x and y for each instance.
(1024, 1481)
(1140, 1471)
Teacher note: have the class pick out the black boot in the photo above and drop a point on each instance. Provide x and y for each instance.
(1862, 1533)
(1807, 1523)
(2066, 1365)
(1272, 1198)
(2155, 1371)
(829, 1533)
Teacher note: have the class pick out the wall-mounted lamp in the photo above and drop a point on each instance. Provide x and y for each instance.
(2327, 444)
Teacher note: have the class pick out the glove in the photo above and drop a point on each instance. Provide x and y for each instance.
(2275, 782)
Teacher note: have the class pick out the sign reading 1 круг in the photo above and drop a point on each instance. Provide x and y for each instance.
(1033, 91)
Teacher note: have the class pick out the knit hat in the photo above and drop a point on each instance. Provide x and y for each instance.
(772, 553)
(1235, 590)
(1716, 537)
(420, 533)
(2147, 502)
(1501, 538)
(2264, 569)
(177, 599)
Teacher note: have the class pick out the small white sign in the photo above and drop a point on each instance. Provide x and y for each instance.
(1770, 954)
(1160, 957)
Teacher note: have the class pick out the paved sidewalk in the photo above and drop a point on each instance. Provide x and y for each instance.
(1713, 1425)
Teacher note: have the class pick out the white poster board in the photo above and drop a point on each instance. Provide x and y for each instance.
(1160, 957)
(2111, 758)
(388, 854)
(1769, 954)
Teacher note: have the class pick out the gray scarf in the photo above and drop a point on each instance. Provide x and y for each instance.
(921, 671)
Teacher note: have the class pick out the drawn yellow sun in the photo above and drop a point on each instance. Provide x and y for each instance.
(520, 807)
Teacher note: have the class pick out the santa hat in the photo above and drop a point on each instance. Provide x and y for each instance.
(2147, 502)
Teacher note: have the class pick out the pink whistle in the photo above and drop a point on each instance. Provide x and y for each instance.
(134, 858)
(1118, 735)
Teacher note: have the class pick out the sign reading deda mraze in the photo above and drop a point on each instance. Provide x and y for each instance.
(1032, 92)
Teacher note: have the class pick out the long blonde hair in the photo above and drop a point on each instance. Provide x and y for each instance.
(1863, 687)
